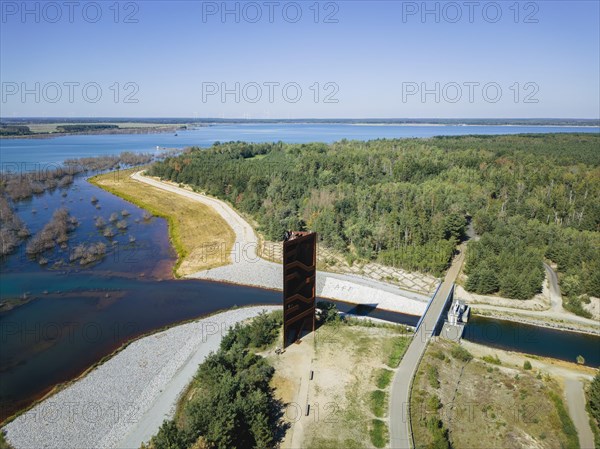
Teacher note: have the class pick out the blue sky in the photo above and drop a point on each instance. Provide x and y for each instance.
(355, 59)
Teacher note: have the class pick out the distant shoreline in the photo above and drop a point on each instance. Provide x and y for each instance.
(163, 128)
(147, 130)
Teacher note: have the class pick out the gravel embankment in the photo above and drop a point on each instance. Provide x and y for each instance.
(121, 403)
(247, 268)
(344, 287)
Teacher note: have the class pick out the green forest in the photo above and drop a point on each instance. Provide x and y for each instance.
(408, 202)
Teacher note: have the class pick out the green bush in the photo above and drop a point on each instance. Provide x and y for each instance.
(493, 360)
(433, 376)
(568, 428)
(460, 353)
(383, 378)
(593, 406)
(439, 434)
(439, 355)
(330, 313)
(262, 331)
(574, 305)
(3, 443)
(433, 404)
(378, 402)
(398, 348)
(527, 365)
(378, 433)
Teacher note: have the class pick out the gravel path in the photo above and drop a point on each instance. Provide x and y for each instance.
(576, 405)
(247, 268)
(122, 403)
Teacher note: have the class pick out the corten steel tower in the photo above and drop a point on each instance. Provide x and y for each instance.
(299, 276)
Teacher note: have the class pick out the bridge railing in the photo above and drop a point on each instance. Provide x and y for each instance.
(427, 308)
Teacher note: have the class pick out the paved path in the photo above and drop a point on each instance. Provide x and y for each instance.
(576, 404)
(400, 427)
(246, 268)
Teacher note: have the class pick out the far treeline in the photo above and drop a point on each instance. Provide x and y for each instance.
(83, 128)
(14, 130)
(408, 202)
(23, 130)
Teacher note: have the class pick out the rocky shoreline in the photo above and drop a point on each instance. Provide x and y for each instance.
(122, 402)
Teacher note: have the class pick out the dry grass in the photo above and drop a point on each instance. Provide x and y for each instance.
(346, 360)
(201, 237)
(498, 406)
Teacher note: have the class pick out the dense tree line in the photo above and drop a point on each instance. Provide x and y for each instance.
(84, 128)
(407, 202)
(233, 404)
(14, 130)
(502, 261)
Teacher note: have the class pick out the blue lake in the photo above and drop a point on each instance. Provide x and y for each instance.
(30, 154)
(75, 315)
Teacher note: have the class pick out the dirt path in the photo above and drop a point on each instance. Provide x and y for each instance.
(555, 295)
(576, 405)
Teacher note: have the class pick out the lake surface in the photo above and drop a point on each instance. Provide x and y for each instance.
(535, 340)
(31, 154)
(75, 316)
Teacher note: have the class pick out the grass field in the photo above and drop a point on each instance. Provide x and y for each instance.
(348, 395)
(200, 236)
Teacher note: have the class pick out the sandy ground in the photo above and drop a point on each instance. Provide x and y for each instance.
(247, 268)
(593, 307)
(344, 361)
(123, 402)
